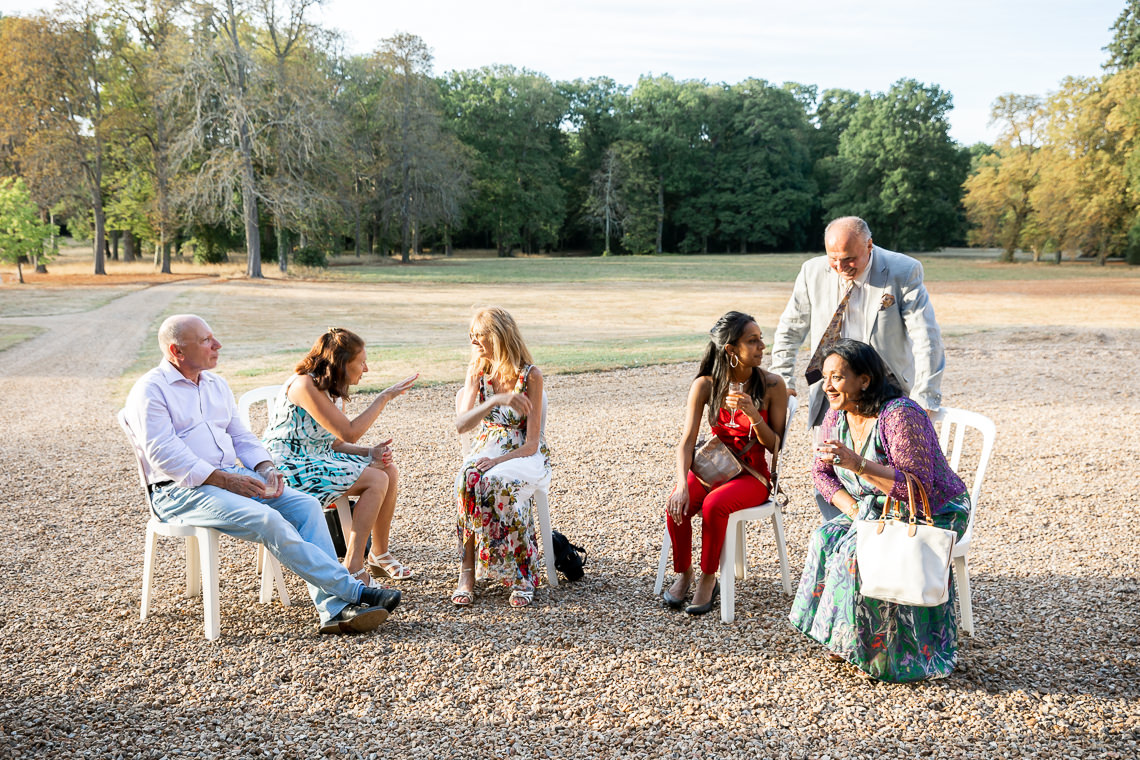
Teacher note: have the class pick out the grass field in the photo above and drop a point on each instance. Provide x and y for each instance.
(577, 314)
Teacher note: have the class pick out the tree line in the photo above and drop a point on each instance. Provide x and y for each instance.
(242, 125)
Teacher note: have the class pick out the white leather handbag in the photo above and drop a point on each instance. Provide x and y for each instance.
(901, 560)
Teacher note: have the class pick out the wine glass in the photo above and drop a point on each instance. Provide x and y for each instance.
(821, 435)
(734, 388)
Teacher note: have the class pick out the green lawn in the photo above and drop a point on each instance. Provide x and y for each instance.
(771, 268)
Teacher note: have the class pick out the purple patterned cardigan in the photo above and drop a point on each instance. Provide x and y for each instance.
(911, 444)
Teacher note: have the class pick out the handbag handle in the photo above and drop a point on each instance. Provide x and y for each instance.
(917, 502)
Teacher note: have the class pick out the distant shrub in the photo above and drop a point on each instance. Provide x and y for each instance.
(311, 256)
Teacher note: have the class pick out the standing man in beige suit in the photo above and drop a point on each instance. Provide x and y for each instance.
(884, 304)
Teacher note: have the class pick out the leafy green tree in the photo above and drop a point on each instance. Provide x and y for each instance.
(596, 115)
(669, 118)
(622, 198)
(22, 234)
(511, 119)
(422, 168)
(899, 169)
(763, 160)
(1124, 49)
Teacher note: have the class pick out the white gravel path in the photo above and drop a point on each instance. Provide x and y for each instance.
(593, 669)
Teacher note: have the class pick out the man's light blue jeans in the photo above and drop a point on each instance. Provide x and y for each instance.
(292, 527)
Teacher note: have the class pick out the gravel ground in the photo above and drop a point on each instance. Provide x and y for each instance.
(593, 669)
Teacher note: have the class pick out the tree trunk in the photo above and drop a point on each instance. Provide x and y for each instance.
(356, 235)
(249, 207)
(19, 270)
(282, 245)
(660, 212)
(165, 255)
(114, 235)
(128, 246)
(405, 238)
(100, 236)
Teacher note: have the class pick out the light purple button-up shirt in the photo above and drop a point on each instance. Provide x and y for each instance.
(187, 431)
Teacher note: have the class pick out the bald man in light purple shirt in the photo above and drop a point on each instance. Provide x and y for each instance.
(184, 420)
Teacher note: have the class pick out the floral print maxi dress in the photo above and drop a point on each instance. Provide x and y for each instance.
(495, 506)
(891, 642)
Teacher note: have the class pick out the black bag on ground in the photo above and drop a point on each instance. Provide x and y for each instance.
(568, 558)
(340, 541)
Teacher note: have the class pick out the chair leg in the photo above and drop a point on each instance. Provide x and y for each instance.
(962, 575)
(148, 571)
(782, 549)
(542, 506)
(266, 594)
(741, 564)
(662, 562)
(729, 563)
(271, 576)
(211, 606)
(193, 566)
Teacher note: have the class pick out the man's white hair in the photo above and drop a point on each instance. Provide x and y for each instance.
(173, 330)
(851, 224)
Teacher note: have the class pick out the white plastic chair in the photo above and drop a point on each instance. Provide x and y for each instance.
(266, 394)
(540, 500)
(956, 421)
(734, 555)
(202, 557)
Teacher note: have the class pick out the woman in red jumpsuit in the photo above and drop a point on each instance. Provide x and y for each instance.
(750, 420)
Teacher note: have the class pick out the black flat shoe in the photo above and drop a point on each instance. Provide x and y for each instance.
(693, 609)
(356, 618)
(672, 601)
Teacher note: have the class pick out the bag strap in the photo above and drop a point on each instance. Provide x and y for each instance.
(747, 467)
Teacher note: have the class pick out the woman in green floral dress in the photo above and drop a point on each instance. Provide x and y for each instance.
(879, 435)
(502, 401)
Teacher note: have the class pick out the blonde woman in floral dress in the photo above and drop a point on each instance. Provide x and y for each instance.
(501, 401)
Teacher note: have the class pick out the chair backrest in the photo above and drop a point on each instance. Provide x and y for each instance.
(956, 421)
(793, 405)
(466, 438)
(137, 451)
(265, 393)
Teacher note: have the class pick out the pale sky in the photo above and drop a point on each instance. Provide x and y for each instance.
(975, 49)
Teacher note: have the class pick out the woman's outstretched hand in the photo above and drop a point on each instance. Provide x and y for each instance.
(402, 387)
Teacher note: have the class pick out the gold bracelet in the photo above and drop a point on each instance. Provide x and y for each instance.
(862, 464)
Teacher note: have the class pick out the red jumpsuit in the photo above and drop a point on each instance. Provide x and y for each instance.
(742, 492)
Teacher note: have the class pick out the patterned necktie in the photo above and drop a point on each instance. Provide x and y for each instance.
(833, 332)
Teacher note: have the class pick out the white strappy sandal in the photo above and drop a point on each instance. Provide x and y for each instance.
(388, 566)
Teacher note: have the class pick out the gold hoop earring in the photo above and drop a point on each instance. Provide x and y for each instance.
(733, 360)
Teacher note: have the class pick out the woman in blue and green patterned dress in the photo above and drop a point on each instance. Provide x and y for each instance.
(879, 434)
(315, 446)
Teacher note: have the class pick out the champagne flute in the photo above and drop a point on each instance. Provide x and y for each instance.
(734, 388)
(821, 435)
